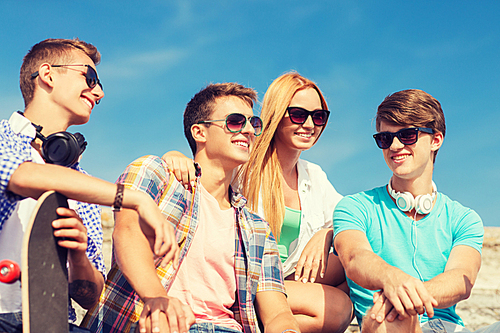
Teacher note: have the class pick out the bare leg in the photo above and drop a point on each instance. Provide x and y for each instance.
(334, 275)
(318, 307)
(323, 306)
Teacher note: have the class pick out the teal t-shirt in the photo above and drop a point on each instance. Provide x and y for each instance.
(289, 231)
(419, 248)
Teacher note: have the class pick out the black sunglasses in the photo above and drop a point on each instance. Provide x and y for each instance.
(406, 136)
(90, 76)
(299, 115)
(235, 122)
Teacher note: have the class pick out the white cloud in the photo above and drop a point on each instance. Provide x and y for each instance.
(139, 64)
(184, 14)
(449, 47)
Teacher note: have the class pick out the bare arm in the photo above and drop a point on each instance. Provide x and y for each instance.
(407, 294)
(448, 288)
(456, 282)
(85, 281)
(182, 167)
(314, 257)
(32, 180)
(136, 261)
(274, 312)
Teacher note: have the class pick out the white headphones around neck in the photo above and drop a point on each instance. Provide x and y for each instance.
(406, 202)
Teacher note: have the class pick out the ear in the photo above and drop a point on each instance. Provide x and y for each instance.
(45, 73)
(437, 141)
(199, 134)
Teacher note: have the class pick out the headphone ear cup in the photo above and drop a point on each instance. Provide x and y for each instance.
(62, 148)
(82, 144)
(405, 201)
(423, 204)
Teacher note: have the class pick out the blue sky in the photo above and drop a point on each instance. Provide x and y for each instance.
(157, 54)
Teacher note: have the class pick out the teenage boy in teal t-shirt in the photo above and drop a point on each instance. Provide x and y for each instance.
(410, 252)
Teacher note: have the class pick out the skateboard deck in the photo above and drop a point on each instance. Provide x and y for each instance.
(44, 274)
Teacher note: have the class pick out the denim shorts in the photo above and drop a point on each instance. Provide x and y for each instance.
(13, 323)
(442, 326)
(211, 328)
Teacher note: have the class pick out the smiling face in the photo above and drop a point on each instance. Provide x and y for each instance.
(409, 162)
(70, 90)
(231, 149)
(299, 136)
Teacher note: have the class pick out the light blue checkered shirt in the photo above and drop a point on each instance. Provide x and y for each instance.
(15, 149)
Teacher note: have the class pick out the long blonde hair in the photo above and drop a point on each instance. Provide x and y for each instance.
(263, 174)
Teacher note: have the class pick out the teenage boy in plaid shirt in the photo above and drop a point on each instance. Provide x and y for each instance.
(229, 269)
(60, 88)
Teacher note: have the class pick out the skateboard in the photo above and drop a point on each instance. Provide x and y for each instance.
(43, 272)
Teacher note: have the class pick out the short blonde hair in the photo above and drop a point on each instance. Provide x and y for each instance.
(51, 51)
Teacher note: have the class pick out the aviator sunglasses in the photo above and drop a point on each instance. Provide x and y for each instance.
(90, 76)
(235, 122)
(299, 115)
(406, 136)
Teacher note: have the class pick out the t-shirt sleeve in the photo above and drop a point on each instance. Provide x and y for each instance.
(349, 214)
(469, 229)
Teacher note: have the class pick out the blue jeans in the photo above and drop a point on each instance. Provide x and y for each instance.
(13, 323)
(210, 328)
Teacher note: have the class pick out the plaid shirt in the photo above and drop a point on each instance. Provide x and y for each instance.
(16, 136)
(257, 264)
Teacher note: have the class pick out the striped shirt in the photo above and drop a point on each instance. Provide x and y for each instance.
(257, 264)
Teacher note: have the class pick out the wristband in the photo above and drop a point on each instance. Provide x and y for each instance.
(289, 330)
(117, 204)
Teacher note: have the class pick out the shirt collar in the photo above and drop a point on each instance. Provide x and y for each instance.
(21, 125)
(237, 199)
(303, 176)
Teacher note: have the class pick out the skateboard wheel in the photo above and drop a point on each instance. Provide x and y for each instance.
(9, 271)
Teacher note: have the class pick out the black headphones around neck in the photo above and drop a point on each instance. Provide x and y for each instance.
(61, 148)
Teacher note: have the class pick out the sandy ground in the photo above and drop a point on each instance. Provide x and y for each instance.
(482, 308)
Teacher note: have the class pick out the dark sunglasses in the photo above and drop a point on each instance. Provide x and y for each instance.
(90, 76)
(299, 115)
(406, 136)
(235, 122)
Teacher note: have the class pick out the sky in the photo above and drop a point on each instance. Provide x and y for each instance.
(157, 54)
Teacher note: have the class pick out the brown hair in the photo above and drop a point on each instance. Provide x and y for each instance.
(412, 107)
(50, 51)
(200, 107)
(263, 174)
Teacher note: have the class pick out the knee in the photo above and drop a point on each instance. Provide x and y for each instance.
(339, 315)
